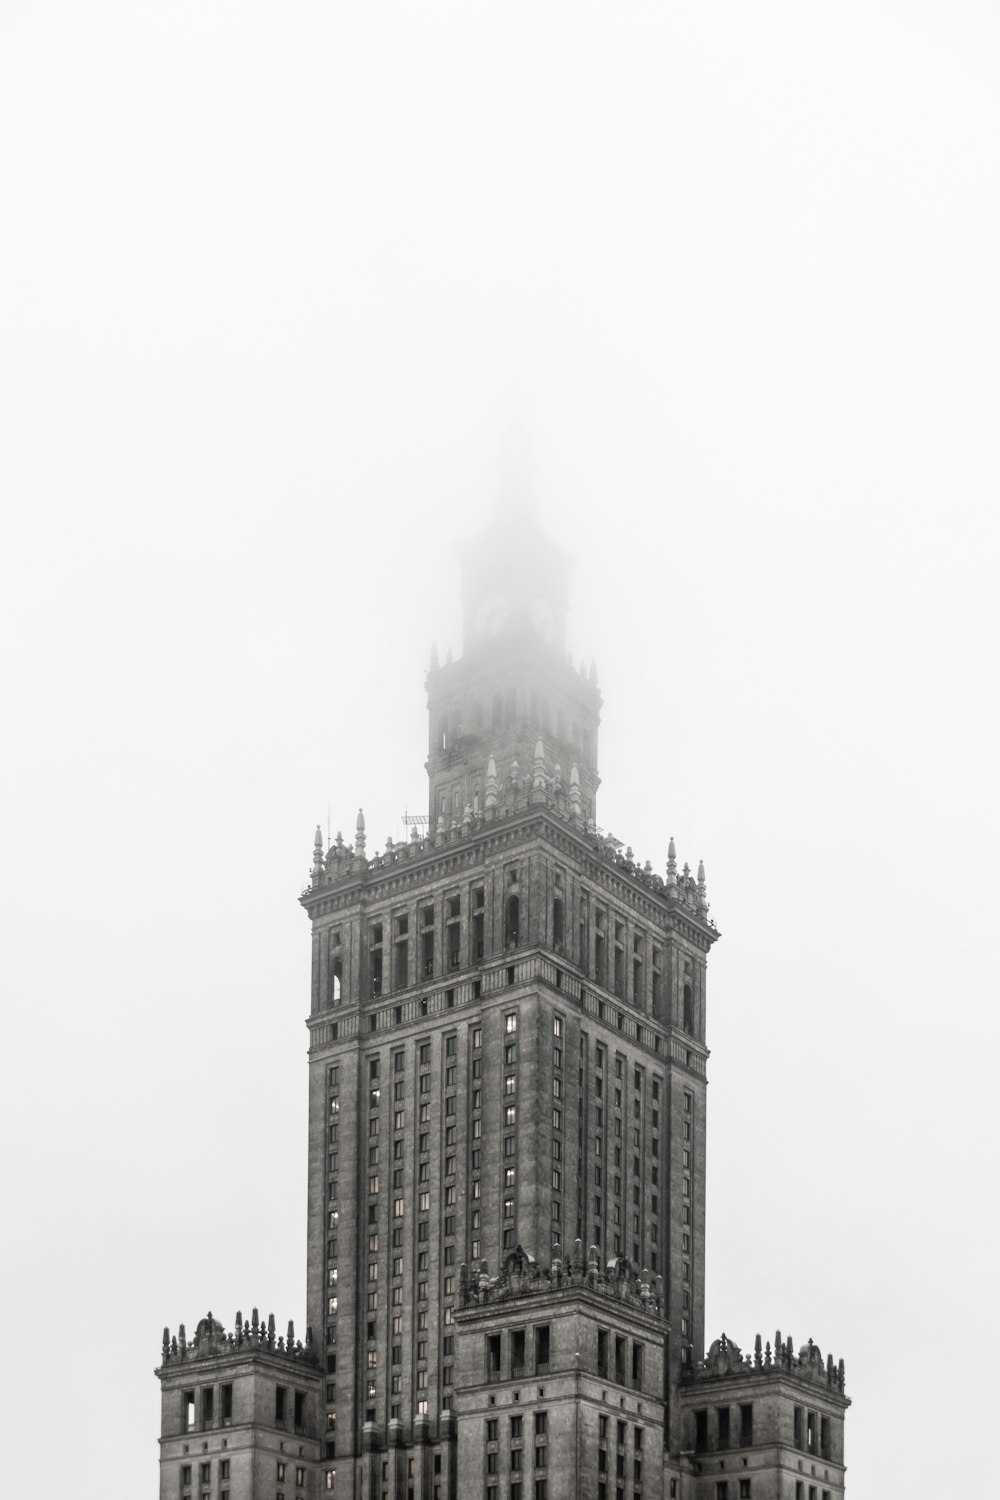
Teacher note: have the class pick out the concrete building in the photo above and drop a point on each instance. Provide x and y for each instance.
(507, 1076)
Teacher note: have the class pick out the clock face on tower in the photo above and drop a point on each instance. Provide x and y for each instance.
(492, 615)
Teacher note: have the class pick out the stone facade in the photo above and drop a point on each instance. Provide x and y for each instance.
(240, 1413)
(507, 1091)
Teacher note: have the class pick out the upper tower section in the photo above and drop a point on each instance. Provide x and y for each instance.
(514, 683)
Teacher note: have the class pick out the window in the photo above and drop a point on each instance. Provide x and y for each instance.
(746, 1427)
(745, 1489)
(281, 1394)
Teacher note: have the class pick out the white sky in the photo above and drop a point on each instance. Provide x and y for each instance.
(275, 282)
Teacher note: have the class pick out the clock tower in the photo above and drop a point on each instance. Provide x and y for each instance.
(513, 708)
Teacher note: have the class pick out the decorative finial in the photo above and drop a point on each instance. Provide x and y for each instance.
(538, 776)
(359, 840)
(318, 852)
(575, 808)
(671, 862)
(702, 898)
(491, 783)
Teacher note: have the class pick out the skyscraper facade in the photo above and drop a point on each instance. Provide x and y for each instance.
(507, 1093)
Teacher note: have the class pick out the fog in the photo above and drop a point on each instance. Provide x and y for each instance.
(292, 299)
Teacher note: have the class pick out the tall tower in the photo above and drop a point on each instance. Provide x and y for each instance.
(506, 1209)
(507, 1078)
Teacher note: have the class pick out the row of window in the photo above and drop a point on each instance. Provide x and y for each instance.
(727, 1434)
(604, 960)
(282, 1474)
(287, 1412)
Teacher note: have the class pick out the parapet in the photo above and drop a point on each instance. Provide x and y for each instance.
(504, 798)
(521, 1277)
(211, 1341)
(725, 1358)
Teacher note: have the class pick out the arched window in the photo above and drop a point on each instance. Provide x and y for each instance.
(511, 922)
(336, 978)
(688, 1010)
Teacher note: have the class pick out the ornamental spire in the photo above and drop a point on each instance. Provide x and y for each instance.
(575, 809)
(359, 841)
(538, 777)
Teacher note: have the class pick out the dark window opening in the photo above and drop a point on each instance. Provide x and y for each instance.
(187, 1410)
(493, 1356)
(542, 1349)
(620, 1359)
(512, 922)
(208, 1407)
(723, 1415)
(688, 1010)
(517, 1352)
(637, 1367)
(280, 1403)
(226, 1404)
(701, 1431)
(602, 1352)
(299, 1417)
(428, 953)
(746, 1426)
(558, 924)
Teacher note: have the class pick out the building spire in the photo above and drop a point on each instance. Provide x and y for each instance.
(359, 840)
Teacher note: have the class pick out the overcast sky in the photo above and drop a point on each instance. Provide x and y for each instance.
(277, 285)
